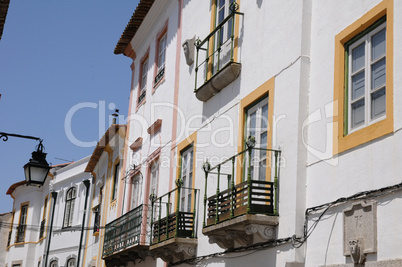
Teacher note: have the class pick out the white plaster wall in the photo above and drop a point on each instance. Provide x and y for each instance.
(65, 241)
(264, 53)
(369, 166)
(32, 251)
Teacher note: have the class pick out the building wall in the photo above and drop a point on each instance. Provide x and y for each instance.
(369, 166)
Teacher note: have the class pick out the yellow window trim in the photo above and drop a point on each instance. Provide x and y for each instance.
(264, 90)
(342, 143)
(183, 145)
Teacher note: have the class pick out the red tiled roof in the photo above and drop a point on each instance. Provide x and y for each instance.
(3, 14)
(14, 186)
(139, 14)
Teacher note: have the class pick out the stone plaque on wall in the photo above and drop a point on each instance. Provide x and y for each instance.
(360, 225)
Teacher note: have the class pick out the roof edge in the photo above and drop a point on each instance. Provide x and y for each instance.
(133, 25)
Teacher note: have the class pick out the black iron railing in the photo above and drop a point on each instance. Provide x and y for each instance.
(174, 214)
(123, 232)
(160, 75)
(253, 195)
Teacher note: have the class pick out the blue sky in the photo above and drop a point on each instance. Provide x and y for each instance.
(56, 56)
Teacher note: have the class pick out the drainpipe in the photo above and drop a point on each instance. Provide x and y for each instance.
(86, 183)
(54, 196)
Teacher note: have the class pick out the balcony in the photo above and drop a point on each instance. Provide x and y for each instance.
(174, 222)
(218, 50)
(125, 238)
(245, 213)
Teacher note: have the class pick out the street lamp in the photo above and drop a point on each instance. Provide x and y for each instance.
(37, 169)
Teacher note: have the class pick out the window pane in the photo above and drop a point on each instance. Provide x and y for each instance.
(378, 103)
(252, 124)
(264, 118)
(221, 3)
(378, 74)
(378, 45)
(358, 57)
(358, 113)
(262, 170)
(358, 85)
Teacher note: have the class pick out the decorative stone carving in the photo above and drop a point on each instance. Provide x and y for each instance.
(188, 49)
(221, 241)
(357, 251)
(360, 229)
(187, 250)
(266, 232)
(240, 237)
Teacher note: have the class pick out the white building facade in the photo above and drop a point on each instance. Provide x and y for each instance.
(312, 83)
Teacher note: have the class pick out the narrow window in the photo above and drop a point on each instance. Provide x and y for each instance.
(71, 263)
(187, 178)
(162, 53)
(257, 126)
(43, 222)
(96, 211)
(115, 181)
(54, 264)
(22, 224)
(135, 191)
(69, 209)
(143, 81)
(367, 78)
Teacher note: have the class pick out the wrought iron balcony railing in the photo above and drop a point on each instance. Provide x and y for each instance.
(253, 195)
(42, 229)
(217, 50)
(174, 214)
(123, 232)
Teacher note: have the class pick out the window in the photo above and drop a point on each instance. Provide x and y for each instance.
(135, 191)
(11, 229)
(187, 178)
(223, 45)
(223, 10)
(96, 211)
(69, 209)
(363, 82)
(71, 262)
(43, 222)
(161, 59)
(256, 111)
(22, 224)
(54, 264)
(367, 78)
(143, 80)
(154, 177)
(257, 126)
(115, 180)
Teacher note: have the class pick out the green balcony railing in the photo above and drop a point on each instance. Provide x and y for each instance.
(174, 214)
(253, 195)
(123, 232)
(216, 50)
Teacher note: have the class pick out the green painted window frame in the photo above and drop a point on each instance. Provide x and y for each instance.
(346, 73)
